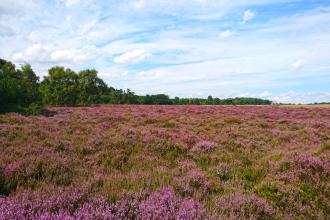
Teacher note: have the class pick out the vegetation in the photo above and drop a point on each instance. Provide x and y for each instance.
(166, 162)
(21, 91)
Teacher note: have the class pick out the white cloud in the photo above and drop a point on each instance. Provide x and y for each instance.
(248, 15)
(38, 53)
(125, 73)
(70, 3)
(18, 57)
(226, 34)
(15, 6)
(142, 73)
(6, 31)
(75, 56)
(35, 36)
(265, 94)
(34, 53)
(133, 56)
(148, 74)
(139, 4)
(299, 64)
(63, 55)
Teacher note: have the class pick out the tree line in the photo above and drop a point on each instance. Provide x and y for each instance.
(22, 91)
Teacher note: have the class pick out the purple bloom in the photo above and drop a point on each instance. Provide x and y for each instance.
(162, 204)
(245, 206)
(204, 147)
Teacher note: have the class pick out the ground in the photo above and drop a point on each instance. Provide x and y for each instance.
(166, 162)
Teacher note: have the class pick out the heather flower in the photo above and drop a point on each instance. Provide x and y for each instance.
(162, 204)
(166, 205)
(304, 168)
(203, 147)
(13, 168)
(198, 179)
(105, 126)
(223, 171)
(245, 206)
(275, 133)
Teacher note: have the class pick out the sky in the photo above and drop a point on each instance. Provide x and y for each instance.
(273, 49)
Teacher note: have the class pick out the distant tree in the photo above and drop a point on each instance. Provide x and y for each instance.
(112, 96)
(60, 87)
(159, 99)
(176, 100)
(209, 100)
(10, 87)
(91, 89)
(216, 101)
(120, 96)
(19, 89)
(30, 85)
(130, 97)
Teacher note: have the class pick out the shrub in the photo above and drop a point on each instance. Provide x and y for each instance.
(245, 206)
(204, 147)
(304, 168)
(223, 171)
(162, 204)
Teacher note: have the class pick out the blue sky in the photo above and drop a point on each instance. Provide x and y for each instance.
(275, 49)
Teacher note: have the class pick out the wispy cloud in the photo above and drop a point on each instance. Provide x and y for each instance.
(133, 56)
(248, 15)
(70, 3)
(226, 34)
(298, 64)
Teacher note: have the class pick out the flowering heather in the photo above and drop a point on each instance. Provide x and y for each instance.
(163, 204)
(305, 168)
(166, 162)
(241, 206)
(204, 147)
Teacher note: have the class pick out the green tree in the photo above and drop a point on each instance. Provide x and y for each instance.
(159, 99)
(92, 89)
(30, 85)
(130, 97)
(19, 89)
(209, 100)
(10, 87)
(176, 100)
(60, 87)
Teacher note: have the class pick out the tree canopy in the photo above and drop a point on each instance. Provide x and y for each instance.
(19, 88)
(22, 91)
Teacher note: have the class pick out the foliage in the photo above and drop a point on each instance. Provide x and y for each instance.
(19, 89)
(60, 87)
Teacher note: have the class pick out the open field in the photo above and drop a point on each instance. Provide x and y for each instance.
(166, 162)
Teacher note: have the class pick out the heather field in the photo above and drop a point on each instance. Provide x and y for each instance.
(166, 162)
